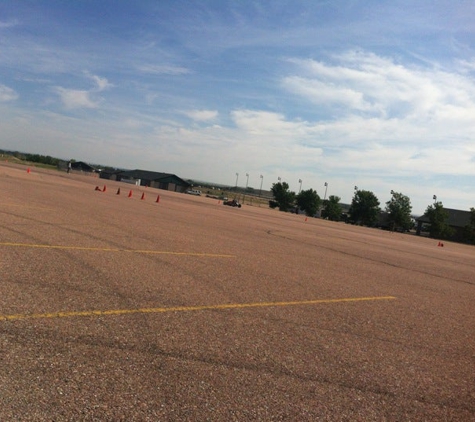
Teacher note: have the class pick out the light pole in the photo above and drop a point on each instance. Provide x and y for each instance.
(435, 199)
(300, 188)
(326, 187)
(245, 190)
(237, 176)
(260, 190)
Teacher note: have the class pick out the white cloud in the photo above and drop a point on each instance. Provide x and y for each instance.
(468, 66)
(7, 94)
(367, 98)
(267, 124)
(73, 98)
(8, 24)
(163, 69)
(202, 115)
(364, 82)
(323, 93)
(102, 83)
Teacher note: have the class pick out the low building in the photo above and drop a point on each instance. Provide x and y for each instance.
(151, 179)
(83, 167)
(457, 220)
(77, 166)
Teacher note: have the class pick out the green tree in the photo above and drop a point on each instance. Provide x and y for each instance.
(469, 230)
(309, 201)
(399, 209)
(364, 208)
(283, 196)
(332, 208)
(437, 218)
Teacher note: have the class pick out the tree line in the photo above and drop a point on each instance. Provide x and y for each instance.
(365, 210)
(47, 159)
(33, 158)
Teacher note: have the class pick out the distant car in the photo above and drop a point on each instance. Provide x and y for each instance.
(232, 203)
(193, 192)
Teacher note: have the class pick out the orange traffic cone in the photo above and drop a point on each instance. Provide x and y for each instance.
(158, 199)
(103, 190)
(130, 194)
(28, 170)
(118, 191)
(143, 195)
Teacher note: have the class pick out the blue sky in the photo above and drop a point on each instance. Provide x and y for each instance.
(374, 94)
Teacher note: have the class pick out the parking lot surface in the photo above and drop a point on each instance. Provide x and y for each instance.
(161, 306)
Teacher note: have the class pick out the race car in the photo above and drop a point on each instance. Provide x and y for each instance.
(232, 203)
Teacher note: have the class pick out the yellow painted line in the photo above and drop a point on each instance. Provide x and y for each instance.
(83, 248)
(186, 308)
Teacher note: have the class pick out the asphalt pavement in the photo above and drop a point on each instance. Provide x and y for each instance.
(148, 305)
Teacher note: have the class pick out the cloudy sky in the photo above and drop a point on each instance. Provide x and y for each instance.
(369, 93)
